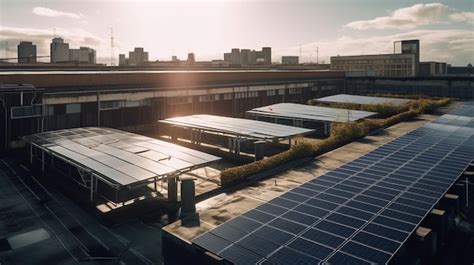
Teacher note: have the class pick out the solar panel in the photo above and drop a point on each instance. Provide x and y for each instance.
(364, 211)
(363, 100)
(238, 127)
(121, 157)
(309, 113)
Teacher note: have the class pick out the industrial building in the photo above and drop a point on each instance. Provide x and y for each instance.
(26, 52)
(404, 64)
(433, 68)
(134, 101)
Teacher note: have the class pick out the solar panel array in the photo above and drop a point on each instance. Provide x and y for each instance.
(121, 157)
(359, 213)
(310, 113)
(345, 98)
(238, 127)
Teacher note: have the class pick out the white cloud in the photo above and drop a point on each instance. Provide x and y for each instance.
(48, 12)
(452, 46)
(414, 16)
(42, 38)
(463, 17)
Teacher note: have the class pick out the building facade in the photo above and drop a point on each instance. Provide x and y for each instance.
(82, 55)
(433, 68)
(235, 56)
(404, 64)
(137, 57)
(267, 55)
(26, 52)
(59, 51)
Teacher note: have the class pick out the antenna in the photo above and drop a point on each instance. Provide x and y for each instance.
(112, 63)
(317, 55)
(7, 49)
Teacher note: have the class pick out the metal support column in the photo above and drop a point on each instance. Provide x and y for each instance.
(172, 190)
(42, 160)
(92, 185)
(31, 154)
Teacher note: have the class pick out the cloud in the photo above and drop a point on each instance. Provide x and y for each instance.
(452, 46)
(463, 17)
(42, 38)
(414, 16)
(48, 12)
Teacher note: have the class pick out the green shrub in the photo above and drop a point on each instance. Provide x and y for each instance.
(230, 175)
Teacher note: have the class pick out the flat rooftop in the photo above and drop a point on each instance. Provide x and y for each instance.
(360, 213)
(363, 100)
(122, 158)
(303, 112)
(223, 207)
(235, 127)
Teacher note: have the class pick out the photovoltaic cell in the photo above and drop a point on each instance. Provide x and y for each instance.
(292, 111)
(364, 211)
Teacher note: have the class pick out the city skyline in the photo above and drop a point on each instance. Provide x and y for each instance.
(208, 29)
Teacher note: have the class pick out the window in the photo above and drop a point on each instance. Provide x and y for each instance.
(228, 96)
(73, 108)
(294, 91)
(180, 100)
(111, 104)
(271, 93)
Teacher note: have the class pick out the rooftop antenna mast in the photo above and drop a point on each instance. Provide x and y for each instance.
(317, 55)
(112, 63)
(7, 49)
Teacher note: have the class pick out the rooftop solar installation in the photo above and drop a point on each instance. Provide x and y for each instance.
(362, 100)
(237, 127)
(120, 157)
(310, 113)
(360, 213)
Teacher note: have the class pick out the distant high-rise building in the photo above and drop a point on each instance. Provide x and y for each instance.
(252, 57)
(289, 60)
(267, 55)
(59, 51)
(138, 56)
(227, 57)
(122, 60)
(82, 55)
(174, 58)
(26, 52)
(235, 56)
(244, 56)
(191, 58)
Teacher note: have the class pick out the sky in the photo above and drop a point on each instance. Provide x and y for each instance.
(210, 28)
